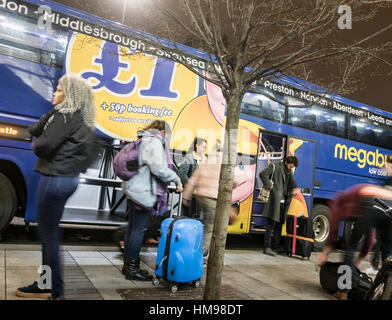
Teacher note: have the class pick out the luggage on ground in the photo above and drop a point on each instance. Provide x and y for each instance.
(180, 252)
(329, 278)
(299, 239)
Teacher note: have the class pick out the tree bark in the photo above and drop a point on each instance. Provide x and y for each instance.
(218, 242)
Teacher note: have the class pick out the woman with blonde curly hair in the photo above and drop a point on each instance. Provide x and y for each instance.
(63, 145)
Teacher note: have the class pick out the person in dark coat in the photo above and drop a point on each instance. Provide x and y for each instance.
(64, 146)
(192, 160)
(283, 188)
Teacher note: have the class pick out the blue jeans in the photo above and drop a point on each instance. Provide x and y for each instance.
(138, 220)
(52, 194)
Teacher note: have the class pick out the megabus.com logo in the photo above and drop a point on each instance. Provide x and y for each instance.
(362, 157)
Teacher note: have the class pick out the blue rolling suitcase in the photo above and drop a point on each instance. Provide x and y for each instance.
(180, 253)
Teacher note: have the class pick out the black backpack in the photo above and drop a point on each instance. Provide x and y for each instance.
(329, 277)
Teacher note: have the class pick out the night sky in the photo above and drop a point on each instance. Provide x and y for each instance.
(377, 91)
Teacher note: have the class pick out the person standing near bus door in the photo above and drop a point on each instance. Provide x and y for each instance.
(191, 161)
(64, 146)
(282, 190)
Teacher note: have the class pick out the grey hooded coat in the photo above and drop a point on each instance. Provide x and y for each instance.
(142, 188)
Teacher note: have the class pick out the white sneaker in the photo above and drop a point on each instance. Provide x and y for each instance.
(370, 271)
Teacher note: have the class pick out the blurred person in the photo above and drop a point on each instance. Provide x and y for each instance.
(149, 185)
(375, 261)
(282, 189)
(191, 161)
(63, 144)
(358, 202)
(204, 185)
(345, 206)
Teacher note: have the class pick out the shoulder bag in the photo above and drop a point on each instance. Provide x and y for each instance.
(264, 193)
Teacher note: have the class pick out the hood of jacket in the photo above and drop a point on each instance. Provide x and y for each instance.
(150, 133)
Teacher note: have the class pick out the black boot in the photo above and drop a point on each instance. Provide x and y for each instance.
(269, 252)
(126, 265)
(267, 242)
(133, 271)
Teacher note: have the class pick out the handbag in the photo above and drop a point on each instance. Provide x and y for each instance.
(264, 193)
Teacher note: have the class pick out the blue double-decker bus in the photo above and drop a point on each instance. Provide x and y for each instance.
(135, 79)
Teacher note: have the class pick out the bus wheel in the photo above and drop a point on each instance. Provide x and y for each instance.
(321, 225)
(8, 201)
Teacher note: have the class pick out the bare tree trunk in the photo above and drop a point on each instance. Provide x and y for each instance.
(218, 241)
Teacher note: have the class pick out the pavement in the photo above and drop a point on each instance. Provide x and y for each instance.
(92, 273)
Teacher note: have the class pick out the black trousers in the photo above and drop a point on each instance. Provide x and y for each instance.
(274, 229)
(191, 211)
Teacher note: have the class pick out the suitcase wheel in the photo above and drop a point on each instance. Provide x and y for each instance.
(155, 282)
(173, 288)
(196, 283)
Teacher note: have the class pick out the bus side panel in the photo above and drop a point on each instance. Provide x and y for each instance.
(25, 161)
(26, 87)
(333, 181)
(337, 154)
(329, 181)
(353, 180)
(322, 194)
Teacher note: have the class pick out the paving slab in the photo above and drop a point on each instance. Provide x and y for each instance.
(114, 257)
(94, 258)
(106, 277)
(290, 283)
(250, 286)
(23, 258)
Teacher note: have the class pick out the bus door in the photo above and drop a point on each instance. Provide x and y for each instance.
(305, 151)
(273, 147)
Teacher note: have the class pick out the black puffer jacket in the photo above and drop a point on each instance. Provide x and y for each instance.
(65, 147)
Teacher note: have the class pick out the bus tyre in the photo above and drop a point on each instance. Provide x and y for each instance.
(8, 201)
(321, 225)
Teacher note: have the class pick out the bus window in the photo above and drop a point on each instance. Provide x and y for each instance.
(372, 133)
(319, 119)
(21, 38)
(261, 106)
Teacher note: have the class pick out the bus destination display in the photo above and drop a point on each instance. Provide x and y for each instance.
(12, 131)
